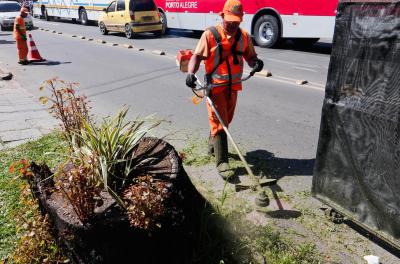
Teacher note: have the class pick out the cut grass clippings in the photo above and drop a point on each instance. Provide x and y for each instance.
(18, 211)
(195, 153)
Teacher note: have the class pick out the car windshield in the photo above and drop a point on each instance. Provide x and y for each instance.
(9, 7)
(142, 5)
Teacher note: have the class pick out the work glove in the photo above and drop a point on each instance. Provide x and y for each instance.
(24, 37)
(191, 80)
(258, 65)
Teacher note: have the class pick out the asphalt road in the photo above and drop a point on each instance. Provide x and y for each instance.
(272, 114)
(286, 62)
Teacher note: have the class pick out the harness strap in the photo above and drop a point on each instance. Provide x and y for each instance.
(218, 39)
(234, 52)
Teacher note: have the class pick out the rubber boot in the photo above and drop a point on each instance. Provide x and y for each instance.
(210, 145)
(221, 156)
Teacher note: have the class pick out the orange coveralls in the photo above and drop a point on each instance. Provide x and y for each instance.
(224, 98)
(22, 45)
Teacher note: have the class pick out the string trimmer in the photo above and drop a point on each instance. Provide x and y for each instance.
(256, 184)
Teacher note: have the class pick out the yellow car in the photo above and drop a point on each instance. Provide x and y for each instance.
(131, 17)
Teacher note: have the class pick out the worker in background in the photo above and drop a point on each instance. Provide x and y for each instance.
(20, 36)
(222, 48)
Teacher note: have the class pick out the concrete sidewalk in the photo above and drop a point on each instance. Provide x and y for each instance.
(22, 117)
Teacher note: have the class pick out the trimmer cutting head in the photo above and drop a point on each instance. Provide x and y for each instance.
(247, 184)
(262, 199)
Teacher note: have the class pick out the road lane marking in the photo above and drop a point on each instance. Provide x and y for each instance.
(46, 23)
(305, 69)
(281, 79)
(297, 64)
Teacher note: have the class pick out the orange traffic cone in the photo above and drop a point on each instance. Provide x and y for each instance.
(34, 55)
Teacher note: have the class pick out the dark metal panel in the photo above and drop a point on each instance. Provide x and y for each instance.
(358, 158)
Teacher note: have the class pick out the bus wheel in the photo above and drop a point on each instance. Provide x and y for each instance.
(163, 20)
(103, 28)
(266, 31)
(128, 31)
(83, 17)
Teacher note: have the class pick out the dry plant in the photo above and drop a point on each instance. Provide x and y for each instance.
(145, 202)
(66, 106)
(79, 184)
(151, 202)
(36, 244)
(22, 168)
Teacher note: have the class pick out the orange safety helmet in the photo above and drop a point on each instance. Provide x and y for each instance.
(233, 11)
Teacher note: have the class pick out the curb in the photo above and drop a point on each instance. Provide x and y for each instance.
(264, 73)
(301, 82)
(128, 46)
(158, 52)
(6, 76)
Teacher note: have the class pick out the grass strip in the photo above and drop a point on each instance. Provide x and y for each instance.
(17, 213)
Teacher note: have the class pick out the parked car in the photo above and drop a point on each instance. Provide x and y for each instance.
(8, 11)
(130, 17)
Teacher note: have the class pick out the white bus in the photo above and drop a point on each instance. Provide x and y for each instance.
(77, 10)
(267, 21)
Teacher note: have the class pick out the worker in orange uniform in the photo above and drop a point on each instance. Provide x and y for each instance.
(222, 48)
(20, 36)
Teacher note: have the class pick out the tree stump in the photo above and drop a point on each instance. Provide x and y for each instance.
(109, 238)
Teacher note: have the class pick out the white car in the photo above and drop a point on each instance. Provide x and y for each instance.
(8, 11)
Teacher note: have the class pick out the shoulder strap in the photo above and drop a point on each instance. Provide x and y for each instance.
(233, 48)
(218, 39)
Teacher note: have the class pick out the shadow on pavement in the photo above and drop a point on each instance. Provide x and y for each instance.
(281, 213)
(145, 35)
(265, 163)
(284, 214)
(319, 47)
(49, 63)
(3, 41)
